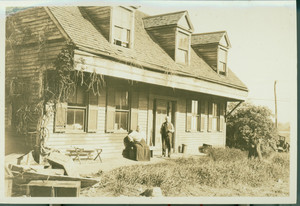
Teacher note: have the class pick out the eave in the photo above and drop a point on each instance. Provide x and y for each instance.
(100, 64)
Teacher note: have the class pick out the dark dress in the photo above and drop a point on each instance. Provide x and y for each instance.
(138, 151)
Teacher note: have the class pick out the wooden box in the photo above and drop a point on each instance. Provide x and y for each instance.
(43, 188)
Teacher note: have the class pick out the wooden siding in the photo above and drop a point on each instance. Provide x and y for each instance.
(36, 42)
(112, 143)
(165, 38)
(209, 52)
(101, 17)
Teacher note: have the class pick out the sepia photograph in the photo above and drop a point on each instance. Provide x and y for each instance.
(156, 102)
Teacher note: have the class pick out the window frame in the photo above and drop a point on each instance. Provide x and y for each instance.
(88, 107)
(116, 22)
(180, 32)
(222, 62)
(121, 110)
(69, 107)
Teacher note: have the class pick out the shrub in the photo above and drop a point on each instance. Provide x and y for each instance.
(247, 124)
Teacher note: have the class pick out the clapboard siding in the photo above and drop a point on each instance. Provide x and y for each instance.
(165, 38)
(32, 45)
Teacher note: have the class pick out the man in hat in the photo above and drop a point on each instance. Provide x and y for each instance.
(166, 131)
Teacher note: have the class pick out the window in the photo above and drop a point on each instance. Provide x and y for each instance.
(122, 21)
(76, 110)
(122, 111)
(193, 116)
(222, 61)
(215, 116)
(122, 37)
(183, 48)
(79, 113)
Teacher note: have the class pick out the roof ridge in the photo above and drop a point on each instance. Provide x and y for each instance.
(214, 32)
(165, 14)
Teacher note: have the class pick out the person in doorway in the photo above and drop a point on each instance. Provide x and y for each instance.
(166, 131)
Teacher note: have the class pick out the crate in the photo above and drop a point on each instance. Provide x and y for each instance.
(42, 188)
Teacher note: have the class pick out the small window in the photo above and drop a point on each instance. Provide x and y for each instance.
(122, 111)
(193, 116)
(122, 27)
(222, 61)
(122, 37)
(215, 116)
(183, 48)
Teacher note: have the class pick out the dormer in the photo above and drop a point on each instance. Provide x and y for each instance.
(172, 32)
(116, 23)
(213, 48)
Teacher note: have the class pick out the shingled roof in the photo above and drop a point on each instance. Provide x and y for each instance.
(208, 38)
(163, 19)
(85, 36)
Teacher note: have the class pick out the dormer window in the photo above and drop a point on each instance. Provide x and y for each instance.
(172, 32)
(182, 53)
(213, 48)
(222, 64)
(122, 29)
(122, 36)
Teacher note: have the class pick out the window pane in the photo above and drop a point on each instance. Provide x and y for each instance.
(121, 100)
(215, 110)
(70, 117)
(79, 119)
(194, 107)
(194, 122)
(122, 35)
(182, 56)
(121, 121)
(75, 119)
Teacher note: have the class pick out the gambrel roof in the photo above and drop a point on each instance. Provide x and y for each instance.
(146, 52)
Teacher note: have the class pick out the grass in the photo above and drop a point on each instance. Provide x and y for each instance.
(223, 172)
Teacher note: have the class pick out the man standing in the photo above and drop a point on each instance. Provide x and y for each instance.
(166, 131)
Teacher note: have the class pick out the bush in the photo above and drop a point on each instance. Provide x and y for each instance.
(248, 124)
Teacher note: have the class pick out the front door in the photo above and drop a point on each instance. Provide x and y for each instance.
(162, 108)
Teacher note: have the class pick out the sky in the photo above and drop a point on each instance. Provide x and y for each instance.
(263, 40)
(262, 35)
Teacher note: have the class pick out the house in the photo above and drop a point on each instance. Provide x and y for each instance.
(113, 68)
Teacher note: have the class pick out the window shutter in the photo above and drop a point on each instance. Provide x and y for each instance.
(221, 118)
(210, 119)
(188, 115)
(110, 110)
(60, 117)
(92, 112)
(134, 110)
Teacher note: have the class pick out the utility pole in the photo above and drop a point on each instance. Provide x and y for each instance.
(276, 123)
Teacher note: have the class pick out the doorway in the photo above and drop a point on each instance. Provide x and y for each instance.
(162, 108)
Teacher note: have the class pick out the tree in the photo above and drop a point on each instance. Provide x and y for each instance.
(251, 128)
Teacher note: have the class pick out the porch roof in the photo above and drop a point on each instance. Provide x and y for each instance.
(146, 53)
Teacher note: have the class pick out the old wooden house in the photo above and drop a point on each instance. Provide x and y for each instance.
(142, 68)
